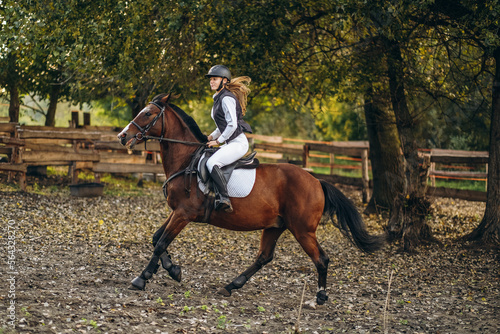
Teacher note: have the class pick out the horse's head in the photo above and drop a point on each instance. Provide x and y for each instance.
(149, 122)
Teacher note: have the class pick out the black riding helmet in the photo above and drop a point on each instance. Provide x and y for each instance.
(219, 71)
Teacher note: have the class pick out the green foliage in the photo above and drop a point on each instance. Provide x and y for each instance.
(92, 323)
(340, 121)
(310, 61)
(272, 116)
(185, 310)
(221, 322)
(461, 184)
(111, 111)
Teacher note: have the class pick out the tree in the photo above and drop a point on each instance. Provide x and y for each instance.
(134, 50)
(385, 154)
(488, 231)
(409, 213)
(403, 32)
(469, 32)
(53, 40)
(480, 23)
(385, 148)
(35, 39)
(13, 53)
(12, 82)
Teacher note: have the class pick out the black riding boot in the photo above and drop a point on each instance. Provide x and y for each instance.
(222, 202)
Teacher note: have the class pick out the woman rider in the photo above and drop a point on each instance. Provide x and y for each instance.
(229, 107)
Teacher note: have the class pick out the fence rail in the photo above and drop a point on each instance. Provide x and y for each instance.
(96, 149)
(314, 154)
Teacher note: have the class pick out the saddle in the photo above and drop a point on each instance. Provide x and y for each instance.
(247, 162)
(199, 168)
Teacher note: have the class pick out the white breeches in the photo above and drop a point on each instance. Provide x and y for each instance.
(229, 152)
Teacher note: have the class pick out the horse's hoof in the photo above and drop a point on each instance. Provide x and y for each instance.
(138, 284)
(321, 297)
(133, 288)
(224, 292)
(175, 272)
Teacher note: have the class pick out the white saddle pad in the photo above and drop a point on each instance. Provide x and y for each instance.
(240, 184)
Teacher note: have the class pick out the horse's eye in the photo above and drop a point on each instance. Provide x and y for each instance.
(148, 114)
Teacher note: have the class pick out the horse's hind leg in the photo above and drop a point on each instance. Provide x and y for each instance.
(311, 246)
(266, 253)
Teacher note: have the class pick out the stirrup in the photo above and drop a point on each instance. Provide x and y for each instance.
(223, 204)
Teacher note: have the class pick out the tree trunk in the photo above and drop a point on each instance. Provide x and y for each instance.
(488, 231)
(408, 215)
(138, 102)
(385, 156)
(13, 85)
(14, 104)
(50, 118)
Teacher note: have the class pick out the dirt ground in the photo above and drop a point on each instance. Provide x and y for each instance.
(75, 257)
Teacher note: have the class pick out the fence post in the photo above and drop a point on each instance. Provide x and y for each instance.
(74, 173)
(486, 183)
(97, 177)
(74, 119)
(365, 175)
(305, 156)
(17, 157)
(86, 118)
(332, 162)
(431, 174)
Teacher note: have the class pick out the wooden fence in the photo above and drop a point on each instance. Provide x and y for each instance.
(312, 154)
(98, 150)
(88, 148)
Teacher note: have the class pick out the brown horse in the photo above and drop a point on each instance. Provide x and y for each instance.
(284, 197)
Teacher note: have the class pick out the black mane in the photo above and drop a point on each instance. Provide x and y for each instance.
(190, 122)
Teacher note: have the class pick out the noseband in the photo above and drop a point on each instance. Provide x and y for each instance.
(141, 135)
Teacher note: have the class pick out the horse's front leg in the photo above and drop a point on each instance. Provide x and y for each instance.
(174, 226)
(166, 262)
(160, 231)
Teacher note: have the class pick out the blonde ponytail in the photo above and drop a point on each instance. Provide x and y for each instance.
(239, 87)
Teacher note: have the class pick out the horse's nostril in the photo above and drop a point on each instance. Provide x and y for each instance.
(122, 137)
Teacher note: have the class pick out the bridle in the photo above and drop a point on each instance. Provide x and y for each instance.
(141, 135)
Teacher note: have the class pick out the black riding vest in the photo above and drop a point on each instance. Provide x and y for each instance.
(220, 117)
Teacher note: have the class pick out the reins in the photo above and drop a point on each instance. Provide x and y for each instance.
(174, 141)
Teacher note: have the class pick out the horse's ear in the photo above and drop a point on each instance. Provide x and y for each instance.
(166, 99)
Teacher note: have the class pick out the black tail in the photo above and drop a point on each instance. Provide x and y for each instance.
(350, 222)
